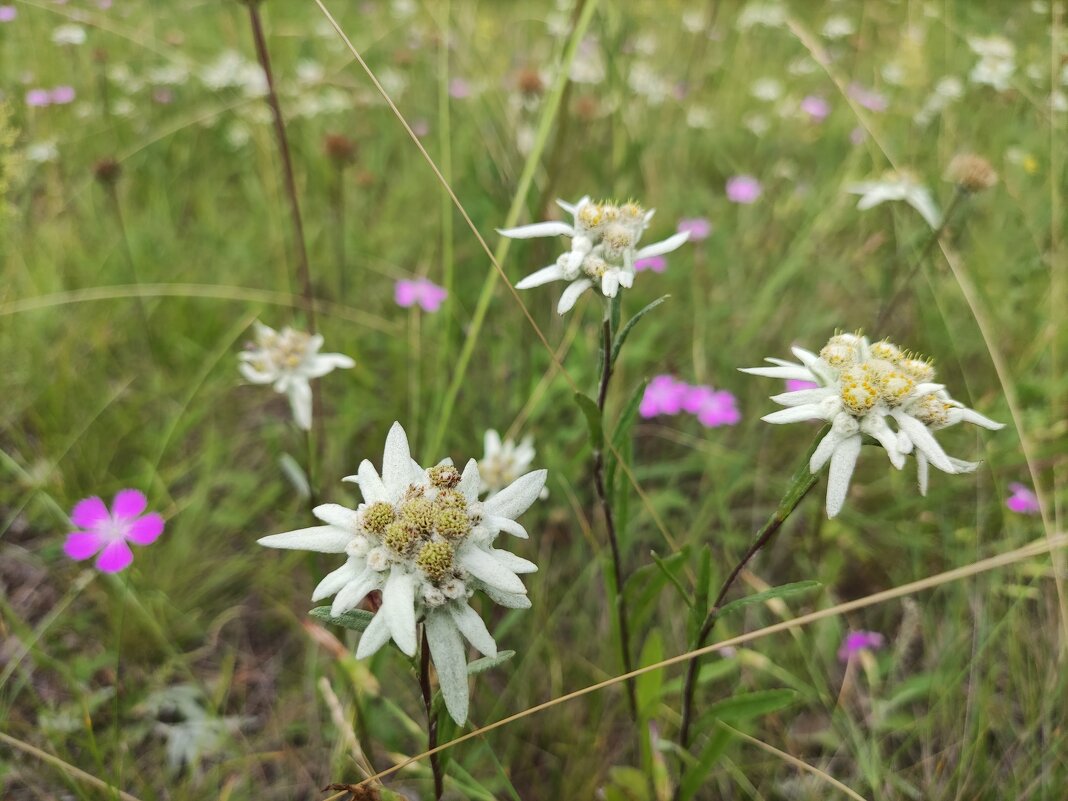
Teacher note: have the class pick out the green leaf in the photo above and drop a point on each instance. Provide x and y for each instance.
(593, 419)
(694, 778)
(643, 586)
(746, 706)
(621, 337)
(488, 662)
(295, 473)
(783, 591)
(619, 436)
(355, 619)
(662, 564)
(648, 685)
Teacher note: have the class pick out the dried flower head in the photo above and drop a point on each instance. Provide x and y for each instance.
(971, 172)
(107, 171)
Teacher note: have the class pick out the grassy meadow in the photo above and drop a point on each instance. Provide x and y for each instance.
(146, 225)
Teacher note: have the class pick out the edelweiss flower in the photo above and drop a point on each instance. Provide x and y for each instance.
(898, 185)
(422, 537)
(859, 386)
(288, 359)
(504, 462)
(604, 247)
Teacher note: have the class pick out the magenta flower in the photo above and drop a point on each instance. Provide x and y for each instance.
(857, 641)
(719, 409)
(694, 398)
(655, 263)
(62, 95)
(743, 189)
(869, 98)
(38, 98)
(459, 88)
(107, 533)
(7, 13)
(1023, 500)
(816, 108)
(422, 292)
(796, 384)
(664, 395)
(697, 227)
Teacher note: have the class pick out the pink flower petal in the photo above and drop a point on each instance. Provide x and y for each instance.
(89, 513)
(128, 503)
(115, 557)
(82, 544)
(145, 530)
(405, 293)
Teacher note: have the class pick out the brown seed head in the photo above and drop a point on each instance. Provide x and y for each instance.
(340, 149)
(971, 172)
(107, 171)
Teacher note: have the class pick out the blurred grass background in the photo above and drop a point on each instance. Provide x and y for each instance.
(104, 390)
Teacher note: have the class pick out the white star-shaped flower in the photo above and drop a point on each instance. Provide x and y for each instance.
(289, 359)
(898, 185)
(504, 462)
(424, 540)
(861, 387)
(604, 247)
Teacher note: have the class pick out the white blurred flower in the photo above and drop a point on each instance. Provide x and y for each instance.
(168, 75)
(860, 385)
(770, 15)
(766, 89)
(231, 70)
(757, 124)
(69, 35)
(604, 247)
(997, 61)
(899, 185)
(289, 359)
(644, 80)
(700, 117)
(588, 65)
(504, 462)
(838, 27)
(424, 540)
(42, 152)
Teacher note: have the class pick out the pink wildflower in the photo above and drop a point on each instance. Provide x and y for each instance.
(38, 98)
(459, 88)
(816, 108)
(420, 128)
(698, 227)
(1023, 500)
(7, 13)
(720, 408)
(857, 641)
(422, 292)
(743, 189)
(655, 263)
(62, 95)
(107, 533)
(664, 395)
(869, 98)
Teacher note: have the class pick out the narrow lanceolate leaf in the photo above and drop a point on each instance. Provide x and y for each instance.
(746, 706)
(783, 591)
(593, 419)
(354, 619)
(648, 686)
(617, 346)
(489, 662)
(694, 778)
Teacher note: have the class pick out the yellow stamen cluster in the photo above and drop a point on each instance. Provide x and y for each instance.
(419, 514)
(452, 523)
(400, 538)
(377, 516)
(840, 351)
(931, 411)
(444, 476)
(594, 215)
(435, 560)
(859, 390)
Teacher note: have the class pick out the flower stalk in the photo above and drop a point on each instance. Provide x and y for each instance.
(803, 481)
(431, 718)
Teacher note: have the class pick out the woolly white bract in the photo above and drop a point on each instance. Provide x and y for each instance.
(288, 359)
(898, 185)
(604, 247)
(861, 386)
(422, 537)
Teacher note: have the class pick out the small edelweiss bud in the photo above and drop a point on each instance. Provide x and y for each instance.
(886, 350)
(895, 386)
(377, 516)
(931, 410)
(107, 171)
(590, 216)
(435, 560)
(839, 354)
(444, 476)
(378, 559)
(859, 392)
(972, 173)
(919, 370)
(400, 537)
(432, 596)
(453, 588)
(631, 212)
(358, 546)
(594, 266)
(452, 523)
(617, 238)
(413, 491)
(450, 499)
(418, 513)
(610, 212)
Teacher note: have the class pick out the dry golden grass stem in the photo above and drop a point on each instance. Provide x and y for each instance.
(69, 769)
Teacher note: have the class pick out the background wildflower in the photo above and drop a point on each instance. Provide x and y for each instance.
(857, 641)
(421, 292)
(743, 189)
(1022, 500)
(106, 534)
(697, 227)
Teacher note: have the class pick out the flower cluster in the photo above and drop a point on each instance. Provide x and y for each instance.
(667, 395)
(288, 359)
(424, 540)
(604, 248)
(861, 386)
(504, 462)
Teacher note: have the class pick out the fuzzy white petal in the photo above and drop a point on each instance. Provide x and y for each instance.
(335, 514)
(802, 397)
(374, 636)
(450, 662)
(473, 628)
(664, 246)
(545, 275)
(398, 605)
(510, 600)
(323, 539)
(517, 497)
(335, 580)
(469, 481)
(571, 295)
(355, 591)
(924, 441)
(517, 564)
(876, 427)
(795, 372)
(795, 414)
(921, 472)
(253, 375)
(972, 416)
(371, 486)
(300, 401)
(533, 230)
(396, 460)
(842, 463)
(324, 363)
(489, 571)
(498, 523)
(824, 451)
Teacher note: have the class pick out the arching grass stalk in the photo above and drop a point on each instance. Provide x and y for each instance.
(803, 481)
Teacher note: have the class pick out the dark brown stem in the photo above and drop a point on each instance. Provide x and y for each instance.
(610, 524)
(303, 271)
(431, 718)
(803, 481)
(884, 313)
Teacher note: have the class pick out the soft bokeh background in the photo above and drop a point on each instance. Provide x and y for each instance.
(197, 674)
